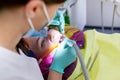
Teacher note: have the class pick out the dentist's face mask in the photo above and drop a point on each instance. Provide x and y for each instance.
(37, 33)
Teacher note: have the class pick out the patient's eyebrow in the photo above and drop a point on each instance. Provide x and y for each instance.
(42, 41)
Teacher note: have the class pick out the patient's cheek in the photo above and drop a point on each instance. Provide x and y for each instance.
(57, 38)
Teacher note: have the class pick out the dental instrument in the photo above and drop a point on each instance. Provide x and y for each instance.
(115, 10)
(118, 7)
(85, 72)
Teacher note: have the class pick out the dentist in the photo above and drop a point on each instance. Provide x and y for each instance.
(18, 18)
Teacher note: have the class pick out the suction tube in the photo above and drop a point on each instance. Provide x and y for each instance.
(81, 61)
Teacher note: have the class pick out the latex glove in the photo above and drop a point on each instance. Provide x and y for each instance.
(64, 56)
(58, 20)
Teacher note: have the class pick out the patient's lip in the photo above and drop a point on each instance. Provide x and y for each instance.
(61, 39)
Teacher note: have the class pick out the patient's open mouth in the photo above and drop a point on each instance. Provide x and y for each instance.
(61, 39)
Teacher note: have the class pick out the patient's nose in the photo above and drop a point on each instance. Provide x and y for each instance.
(49, 36)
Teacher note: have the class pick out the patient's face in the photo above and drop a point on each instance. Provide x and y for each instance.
(41, 44)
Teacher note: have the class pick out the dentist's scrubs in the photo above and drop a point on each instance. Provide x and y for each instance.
(15, 66)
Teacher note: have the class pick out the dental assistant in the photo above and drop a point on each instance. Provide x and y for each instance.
(17, 19)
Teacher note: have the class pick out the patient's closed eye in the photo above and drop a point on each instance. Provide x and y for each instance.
(42, 43)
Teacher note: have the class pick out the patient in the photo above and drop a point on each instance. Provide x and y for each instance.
(44, 49)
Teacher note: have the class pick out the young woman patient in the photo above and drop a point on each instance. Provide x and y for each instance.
(44, 49)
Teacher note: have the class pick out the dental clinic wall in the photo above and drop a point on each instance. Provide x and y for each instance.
(94, 14)
(78, 14)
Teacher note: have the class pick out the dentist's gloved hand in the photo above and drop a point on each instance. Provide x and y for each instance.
(64, 56)
(58, 20)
